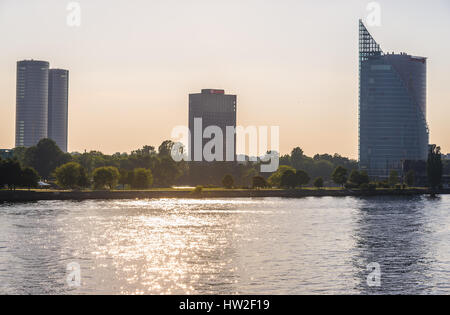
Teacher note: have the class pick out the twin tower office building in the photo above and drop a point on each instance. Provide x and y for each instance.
(41, 104)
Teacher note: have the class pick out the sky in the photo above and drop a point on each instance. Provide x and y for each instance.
(292, 64)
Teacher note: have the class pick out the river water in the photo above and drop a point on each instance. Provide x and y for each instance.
(238, 246)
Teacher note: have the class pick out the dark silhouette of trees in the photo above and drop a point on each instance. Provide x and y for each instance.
(105, 177)
(29, 178)
(289, 179)
(302, 178)
(71, 176)
(166, 172)
(297, 158)
(259, 182)
(12, 175)
(434, 167)
(318, 182)
(339, 175)
(410, 178)
(357, 179)
(165, 148)
(142, 178)
(393, 178)
(228, 181)
(45, 157)
(275, 179)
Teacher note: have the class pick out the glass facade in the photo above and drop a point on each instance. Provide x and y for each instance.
(392, 110)
(31, 102)
(58, 88)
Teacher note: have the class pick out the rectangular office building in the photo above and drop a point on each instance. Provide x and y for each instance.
(215, 108)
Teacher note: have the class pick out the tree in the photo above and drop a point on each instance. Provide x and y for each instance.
(123, 178)
(434, 167)
(297, 157)
(165, 149)
(302, 178)
(2, 174)
(250, 174)
(19, 154)
(363, 178)
(130, 178)
(358, 179)
(410, 178)
(228, 181)
(105, 177)
(71, 176)
(166, 171)
(45, 157)
(83, 179)
(11, 171)
(339, 175)
(289, 179)
(29, 178)
(393, 178)
(259, 182)
(318, 183)
(143, 178)
(275, 179)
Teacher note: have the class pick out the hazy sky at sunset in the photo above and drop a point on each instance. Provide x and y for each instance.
(292, 63)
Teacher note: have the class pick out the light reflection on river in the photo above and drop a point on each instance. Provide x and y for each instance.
(245, 246)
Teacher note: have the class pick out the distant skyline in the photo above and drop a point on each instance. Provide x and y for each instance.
(291, 63)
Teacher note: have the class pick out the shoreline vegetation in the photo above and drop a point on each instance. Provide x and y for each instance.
(195, 193)
(147, 173)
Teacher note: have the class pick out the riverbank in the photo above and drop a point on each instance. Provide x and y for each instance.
(26, 196)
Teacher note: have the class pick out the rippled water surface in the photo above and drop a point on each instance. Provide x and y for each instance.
(245, 246)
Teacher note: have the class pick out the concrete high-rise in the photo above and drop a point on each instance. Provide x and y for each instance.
(392, 108)
(58, 89)
(215, 108)
(31, 102)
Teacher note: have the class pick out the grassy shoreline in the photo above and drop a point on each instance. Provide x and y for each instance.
(37, 195)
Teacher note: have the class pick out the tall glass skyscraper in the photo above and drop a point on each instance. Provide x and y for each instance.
(41, 104)
(392, 108)
(58, 88)
(31, 102)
